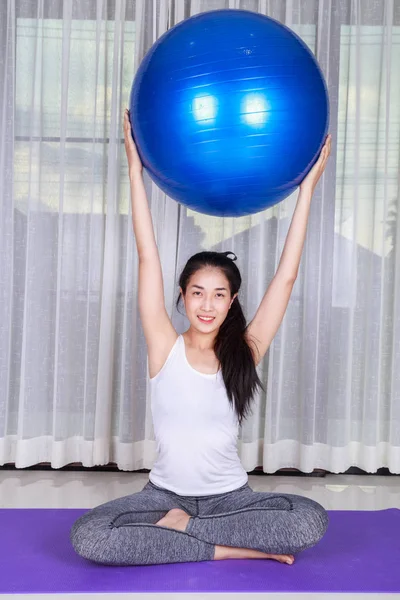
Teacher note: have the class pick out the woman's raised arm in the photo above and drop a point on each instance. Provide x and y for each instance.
(269, 316)
(158, 329)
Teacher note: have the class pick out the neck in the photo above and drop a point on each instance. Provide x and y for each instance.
(198, 339)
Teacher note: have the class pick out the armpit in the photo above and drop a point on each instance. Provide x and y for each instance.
(252, 342)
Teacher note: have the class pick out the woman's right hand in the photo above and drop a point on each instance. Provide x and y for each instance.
(134, 163)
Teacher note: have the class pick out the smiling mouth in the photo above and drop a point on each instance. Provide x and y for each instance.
(206, 319)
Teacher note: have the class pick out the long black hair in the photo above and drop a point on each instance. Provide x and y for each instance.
(231, 347)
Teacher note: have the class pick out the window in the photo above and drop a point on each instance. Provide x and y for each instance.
(82, 93)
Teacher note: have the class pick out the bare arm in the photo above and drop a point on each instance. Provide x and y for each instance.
(268, 318)
(157, 326)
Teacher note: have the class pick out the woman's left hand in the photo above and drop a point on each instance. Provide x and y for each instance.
(311, 179)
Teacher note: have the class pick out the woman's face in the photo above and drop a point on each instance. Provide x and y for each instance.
(207, 299)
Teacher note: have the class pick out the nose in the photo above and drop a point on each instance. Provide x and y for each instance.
(206, 305)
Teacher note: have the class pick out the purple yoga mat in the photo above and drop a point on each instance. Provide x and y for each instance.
(360, 552)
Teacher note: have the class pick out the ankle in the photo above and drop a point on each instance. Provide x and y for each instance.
(222, 552)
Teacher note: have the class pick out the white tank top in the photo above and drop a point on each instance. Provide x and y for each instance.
(196, 430)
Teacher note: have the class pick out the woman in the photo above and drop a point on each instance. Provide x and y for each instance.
(198, 504)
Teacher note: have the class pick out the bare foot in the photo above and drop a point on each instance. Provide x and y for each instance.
(223, 552)
(176, 518)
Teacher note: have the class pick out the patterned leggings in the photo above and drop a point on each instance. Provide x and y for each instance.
(123, 531)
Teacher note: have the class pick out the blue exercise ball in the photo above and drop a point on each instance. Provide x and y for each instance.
(229, 111)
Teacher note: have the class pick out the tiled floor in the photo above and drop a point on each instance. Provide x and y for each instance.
(78, 489)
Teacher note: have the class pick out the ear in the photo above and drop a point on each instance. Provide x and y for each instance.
(182, 296)
(235, 296)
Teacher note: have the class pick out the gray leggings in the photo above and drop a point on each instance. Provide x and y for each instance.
(123, 531)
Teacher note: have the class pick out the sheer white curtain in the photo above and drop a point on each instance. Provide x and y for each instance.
(73, 383)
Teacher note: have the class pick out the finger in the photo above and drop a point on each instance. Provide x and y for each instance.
(126, 118)
(324, 163)
(127, 125)
(129, 129)
(129, 137)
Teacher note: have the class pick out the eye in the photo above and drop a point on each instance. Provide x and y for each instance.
(222, 295)
(196, 293)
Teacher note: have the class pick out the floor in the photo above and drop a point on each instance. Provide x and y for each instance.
(80, 489)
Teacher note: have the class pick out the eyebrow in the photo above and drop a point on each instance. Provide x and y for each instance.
(201, 288)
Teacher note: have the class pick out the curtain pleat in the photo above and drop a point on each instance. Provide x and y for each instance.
(73, 367)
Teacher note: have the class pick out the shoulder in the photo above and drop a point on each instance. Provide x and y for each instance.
(158, 353)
